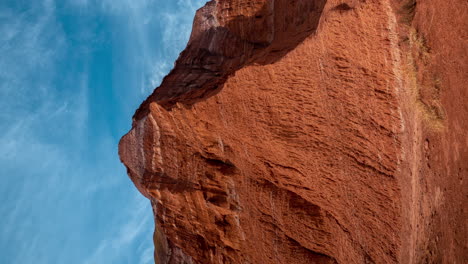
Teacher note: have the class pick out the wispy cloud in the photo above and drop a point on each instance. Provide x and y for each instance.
(65, 200)
(175, 34)
(35, 116)
(146, 17)
(30, 46)
(136, 225)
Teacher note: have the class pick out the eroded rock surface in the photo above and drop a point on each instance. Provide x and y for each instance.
(310, 131)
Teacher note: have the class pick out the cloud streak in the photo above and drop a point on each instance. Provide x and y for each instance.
(68, 87)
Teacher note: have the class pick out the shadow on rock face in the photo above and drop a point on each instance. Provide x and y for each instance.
(219, 46)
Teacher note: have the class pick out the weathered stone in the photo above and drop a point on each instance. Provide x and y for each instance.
(310, 131)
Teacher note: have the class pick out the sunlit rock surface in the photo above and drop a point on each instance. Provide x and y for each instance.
(310, 131)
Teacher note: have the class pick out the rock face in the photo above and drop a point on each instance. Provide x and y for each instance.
(310, 131)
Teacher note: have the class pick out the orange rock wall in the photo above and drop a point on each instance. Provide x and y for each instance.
(322, 132)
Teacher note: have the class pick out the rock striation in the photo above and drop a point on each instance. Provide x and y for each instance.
(310, 131)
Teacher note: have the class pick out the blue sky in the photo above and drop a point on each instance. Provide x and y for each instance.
(72, 72)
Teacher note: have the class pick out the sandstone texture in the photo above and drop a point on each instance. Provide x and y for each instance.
(310, 131)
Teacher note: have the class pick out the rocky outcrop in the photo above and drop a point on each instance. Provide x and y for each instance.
(310, 131)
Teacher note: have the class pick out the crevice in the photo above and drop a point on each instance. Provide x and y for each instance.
(226, 167)
(342, 7)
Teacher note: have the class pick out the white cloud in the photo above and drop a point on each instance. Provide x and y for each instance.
(34, 115)
(176, 27)
(30, 47)
(44, 177)
(159, 70)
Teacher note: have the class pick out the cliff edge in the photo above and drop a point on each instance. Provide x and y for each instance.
(310, 131)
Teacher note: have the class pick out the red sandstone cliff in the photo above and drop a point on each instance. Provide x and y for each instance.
(310, 131)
